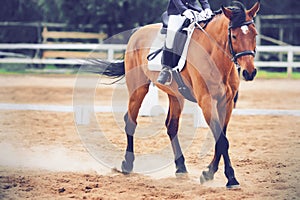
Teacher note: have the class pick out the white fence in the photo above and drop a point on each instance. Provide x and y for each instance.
(110, 48)
(290, 51)
(290, 62)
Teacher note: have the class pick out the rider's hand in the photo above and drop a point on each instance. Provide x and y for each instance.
(208, 13)
(201, 16)
(189, 14)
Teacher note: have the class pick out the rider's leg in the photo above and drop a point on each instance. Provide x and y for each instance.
(169, 54)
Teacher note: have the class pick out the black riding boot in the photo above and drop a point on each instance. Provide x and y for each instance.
(165, 76)
(171, 57)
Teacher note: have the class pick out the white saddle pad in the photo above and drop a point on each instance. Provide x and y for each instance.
(158, 43)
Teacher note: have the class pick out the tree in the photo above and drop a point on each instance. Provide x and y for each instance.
(109, 16)
(113, 16)
(18, 11)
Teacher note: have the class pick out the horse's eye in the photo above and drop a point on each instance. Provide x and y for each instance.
(234, 37)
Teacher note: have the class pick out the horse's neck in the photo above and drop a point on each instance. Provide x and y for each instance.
(215, 43)
(218, 30)
(217, 39)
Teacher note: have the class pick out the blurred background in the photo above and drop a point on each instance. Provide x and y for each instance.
(93, 21)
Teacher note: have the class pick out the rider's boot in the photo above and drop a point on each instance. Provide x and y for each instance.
(165, 76)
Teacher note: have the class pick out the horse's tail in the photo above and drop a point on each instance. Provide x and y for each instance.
(110, 69)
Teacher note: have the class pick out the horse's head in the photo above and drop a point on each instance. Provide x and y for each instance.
(241, 37)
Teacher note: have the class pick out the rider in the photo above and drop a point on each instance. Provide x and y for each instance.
(178, 11)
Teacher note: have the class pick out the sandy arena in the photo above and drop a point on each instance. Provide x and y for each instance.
(42, 156)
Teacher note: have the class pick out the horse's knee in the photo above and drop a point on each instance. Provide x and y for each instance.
(130, 126)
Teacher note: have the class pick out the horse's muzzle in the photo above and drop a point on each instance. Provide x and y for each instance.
(249, 76)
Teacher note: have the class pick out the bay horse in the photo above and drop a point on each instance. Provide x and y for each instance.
(210, 73)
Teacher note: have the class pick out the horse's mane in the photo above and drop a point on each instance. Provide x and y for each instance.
(238, 14)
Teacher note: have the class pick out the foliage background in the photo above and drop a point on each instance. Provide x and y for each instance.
(109, 16)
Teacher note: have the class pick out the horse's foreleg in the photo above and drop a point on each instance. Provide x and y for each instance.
(229, 172)
(218, 118)
(214, 165)
(221, 148)
(172, 123)
(135, 102)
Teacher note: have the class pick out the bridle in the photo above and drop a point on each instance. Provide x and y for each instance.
(234, 54)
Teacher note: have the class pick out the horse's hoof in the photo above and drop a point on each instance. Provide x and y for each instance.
(233, 184)
(206, 176)
(181, 170)
(126, 167)
(182, 176)
(202, 179)
(181, 173)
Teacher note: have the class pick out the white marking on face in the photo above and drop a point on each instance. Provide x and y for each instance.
(245, 29)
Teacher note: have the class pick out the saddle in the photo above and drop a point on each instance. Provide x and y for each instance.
(154, 52)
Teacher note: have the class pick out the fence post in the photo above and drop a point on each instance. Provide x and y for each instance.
(199, 120)
(290, 59)
(110, 55)
(150, 101)
(82, 114)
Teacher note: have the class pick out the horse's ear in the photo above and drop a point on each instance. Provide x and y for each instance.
(227, 12)
(252, 11)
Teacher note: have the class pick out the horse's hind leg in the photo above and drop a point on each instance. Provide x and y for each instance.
(138, 87)
(172, 121)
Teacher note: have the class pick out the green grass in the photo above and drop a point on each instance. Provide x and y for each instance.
(276, 75)
(52, 69)
(296, 75)
(4, 71)
(20, 69)
(12, 69)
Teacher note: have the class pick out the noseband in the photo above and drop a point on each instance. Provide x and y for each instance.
(234, 54)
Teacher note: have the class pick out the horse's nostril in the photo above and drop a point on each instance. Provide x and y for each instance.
(249, 77)
(246, 74)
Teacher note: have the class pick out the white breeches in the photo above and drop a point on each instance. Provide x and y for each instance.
(175, 23)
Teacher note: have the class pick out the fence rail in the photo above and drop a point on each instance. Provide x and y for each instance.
(111, 49)
(290, 62)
